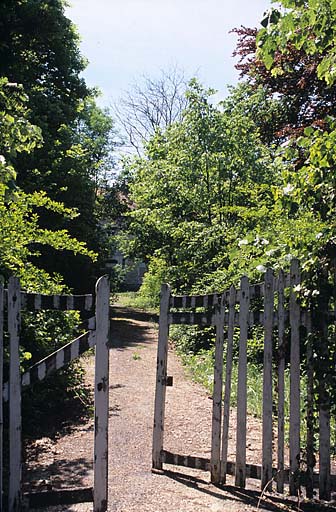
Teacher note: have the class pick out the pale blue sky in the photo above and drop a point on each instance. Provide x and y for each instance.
(125, 38)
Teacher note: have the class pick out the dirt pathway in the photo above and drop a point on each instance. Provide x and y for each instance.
(132, 485)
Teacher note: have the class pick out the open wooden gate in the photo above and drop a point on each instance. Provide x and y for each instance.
(14, 301)
(274, 306)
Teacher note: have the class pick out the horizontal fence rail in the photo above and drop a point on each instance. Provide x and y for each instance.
(38, 301)
(273, 306)
(207, 301)
(57, 360)
(252, 470)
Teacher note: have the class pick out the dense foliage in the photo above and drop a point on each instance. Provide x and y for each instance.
(56, 163)
(39, 50)
(202, 185)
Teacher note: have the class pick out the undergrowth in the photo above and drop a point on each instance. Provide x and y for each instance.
(136, 300)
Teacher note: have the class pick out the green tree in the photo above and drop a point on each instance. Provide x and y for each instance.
(39, 48)
(200, 184)
(308, 25)
(21, 233)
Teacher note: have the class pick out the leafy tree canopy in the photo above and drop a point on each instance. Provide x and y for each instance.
(307, 25)
(39, 49)
(20, 233)
(200, 185)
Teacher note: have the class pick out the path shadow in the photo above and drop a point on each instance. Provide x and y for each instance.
(130, 328)
(59, 474)
(249, 497)
(133, 314)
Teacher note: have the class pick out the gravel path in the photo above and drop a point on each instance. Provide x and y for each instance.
(132, 485)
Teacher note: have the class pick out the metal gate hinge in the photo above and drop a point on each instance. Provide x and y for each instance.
(168, 381)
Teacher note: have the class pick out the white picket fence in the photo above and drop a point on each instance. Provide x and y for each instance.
(13, 301)
(279, 314)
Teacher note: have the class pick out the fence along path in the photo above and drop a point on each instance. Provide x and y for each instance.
(274, 306)
(97, 335)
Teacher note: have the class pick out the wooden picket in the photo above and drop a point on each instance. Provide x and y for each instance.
(161, 378)
(228, 374)
(14, 320)
(294, 404)
(244, 305)
(217, 395)
(101, 414)
(267, 422)
(310, 414)
(1, 390)
(282, 319)
(281, 382)
(324, 403)
(97, 335)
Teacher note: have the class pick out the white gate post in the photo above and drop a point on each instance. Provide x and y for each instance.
(228, 376)
(161, 376)
(267, 423)
(101, 415)
(217, 394)
(294, 406)
(1, 389)
(244, 307)
(14, 321)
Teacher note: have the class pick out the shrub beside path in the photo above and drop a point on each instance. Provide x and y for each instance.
(67, 461)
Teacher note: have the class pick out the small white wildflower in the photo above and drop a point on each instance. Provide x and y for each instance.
(2, 160)
(261, 268)
(264, 241)
(319, 235)
(315, 293)
(242, 242)
(288, 189)
(297, 288)
(286, 143)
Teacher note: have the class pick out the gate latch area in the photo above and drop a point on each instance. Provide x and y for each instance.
(168, 380)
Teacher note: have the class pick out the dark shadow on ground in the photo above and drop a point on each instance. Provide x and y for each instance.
(129, 331)
(134, 314)
(60, 474)
(250, 497)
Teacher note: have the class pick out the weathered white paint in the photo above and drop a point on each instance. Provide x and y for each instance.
(217, 395)
(70, 302)
(88, 302)
(161, 374)
(324, 408)
(75, 349)
(294, 411)
(324, 452)
(228, 375)
(1, 389)
(41, 371)
(310, 413)
(281, 381)
(101, 413)
(267, 424)
(56, 301)
(37, 301)
(14, 320)
(240, 477)
(59, 359)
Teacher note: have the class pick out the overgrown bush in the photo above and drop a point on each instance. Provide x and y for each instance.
(149, 293)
